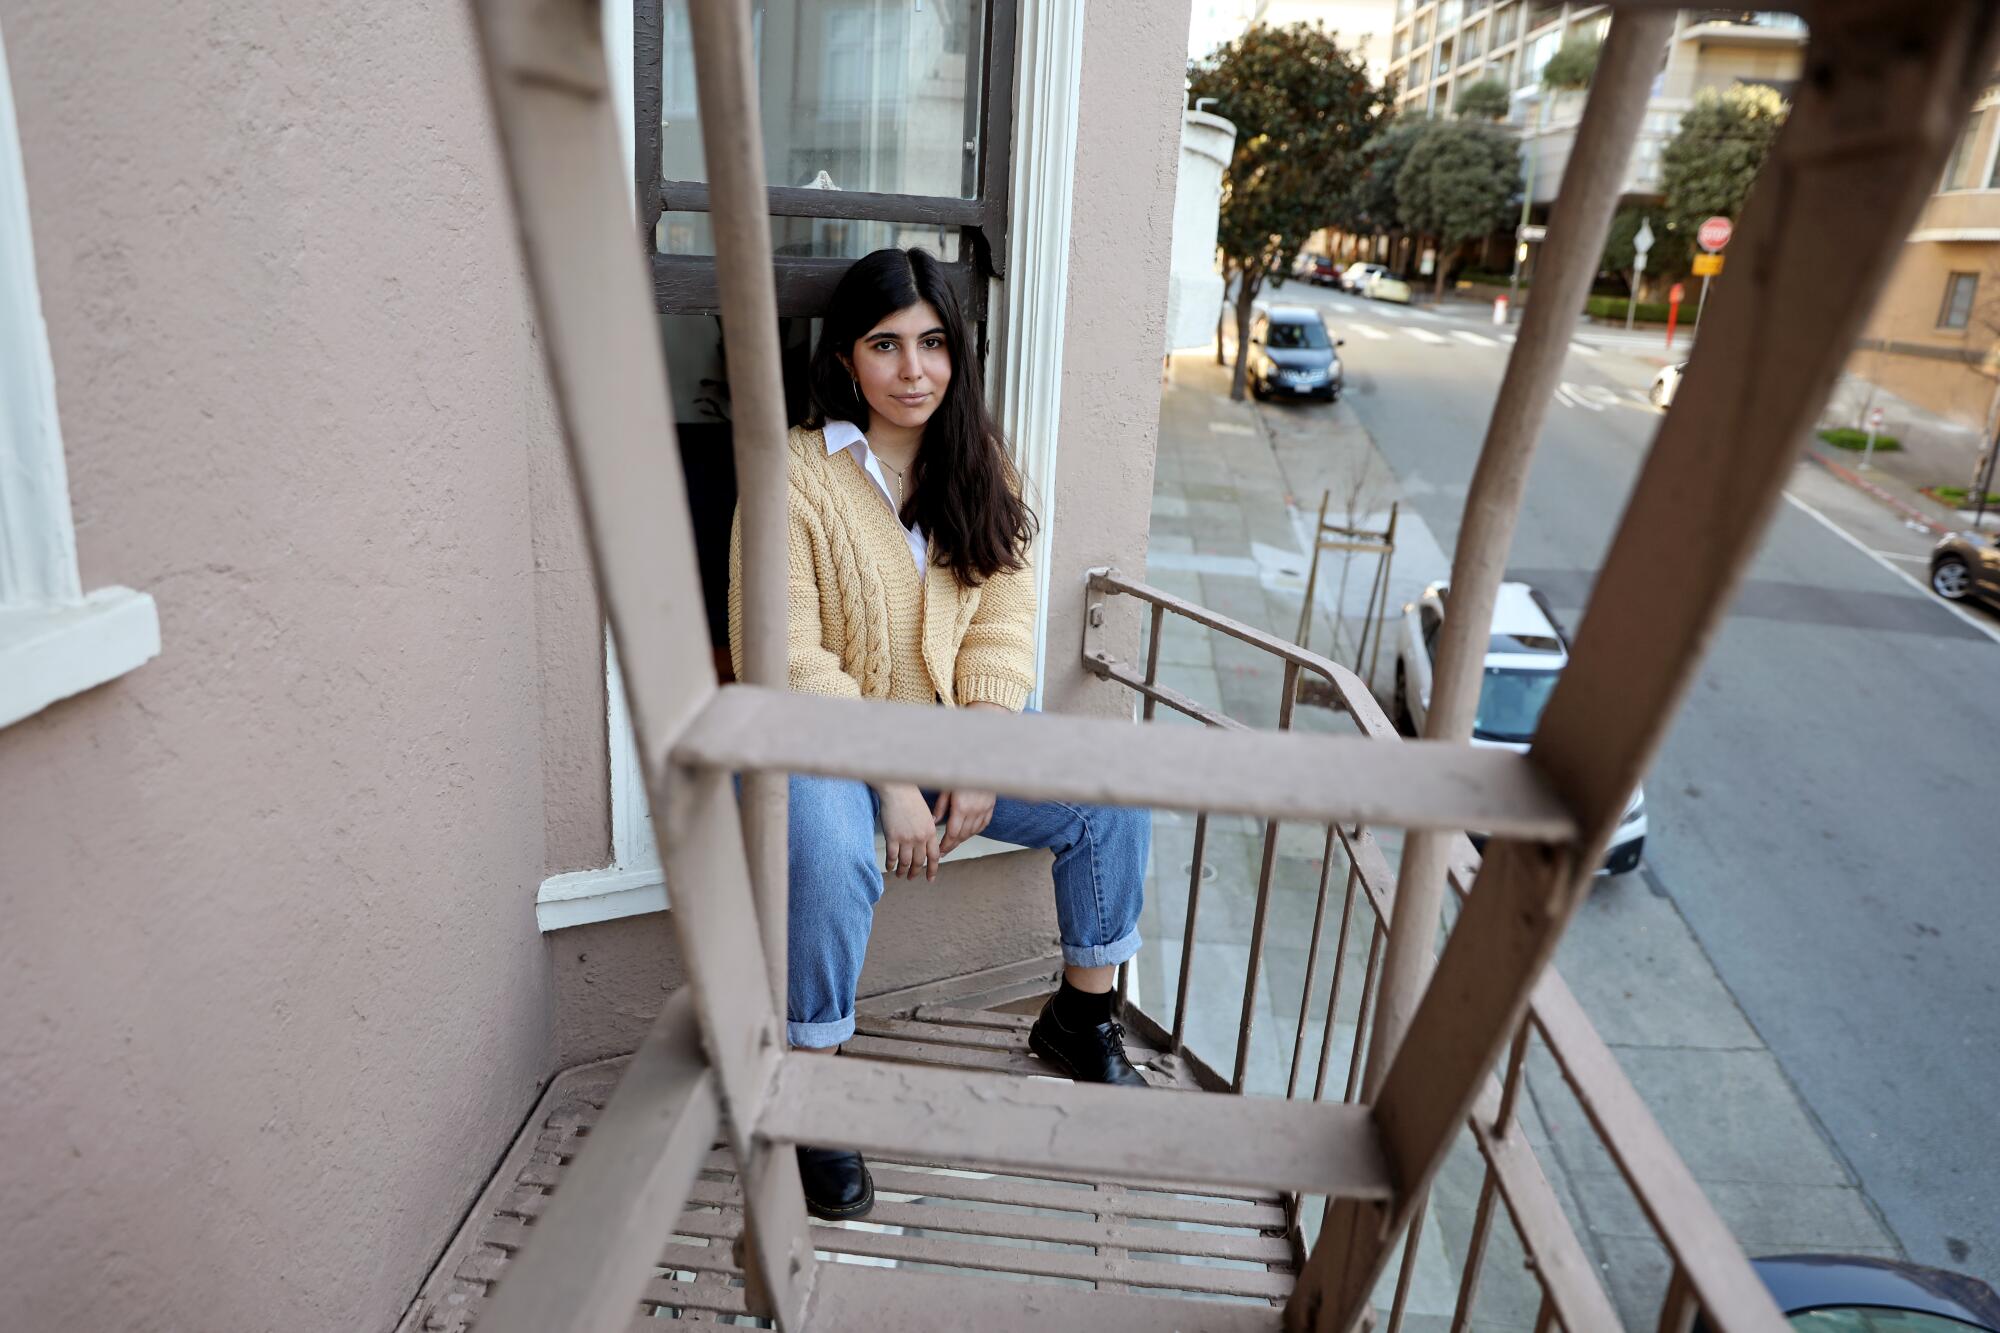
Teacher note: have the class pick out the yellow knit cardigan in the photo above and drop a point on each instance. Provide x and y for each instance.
(862, 624)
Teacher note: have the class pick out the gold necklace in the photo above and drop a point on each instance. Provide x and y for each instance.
(899, 478)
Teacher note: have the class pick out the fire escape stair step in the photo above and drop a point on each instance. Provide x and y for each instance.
(1001, 1122)
(1105, 761)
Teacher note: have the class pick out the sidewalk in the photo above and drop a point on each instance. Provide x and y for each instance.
(1935, 451)
(1235, 490)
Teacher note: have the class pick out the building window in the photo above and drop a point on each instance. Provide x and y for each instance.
(1959, 288)
(1967, 167)
(56, 640)
(1505, 23)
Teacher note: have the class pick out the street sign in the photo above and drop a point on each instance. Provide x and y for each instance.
(1642, 240)
(1707, 266)
(1713, 234)
(1875, 419)
(1531, 233)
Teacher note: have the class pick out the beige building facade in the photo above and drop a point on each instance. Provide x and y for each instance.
(312, 892)
(1934, 338)
(1441, 48)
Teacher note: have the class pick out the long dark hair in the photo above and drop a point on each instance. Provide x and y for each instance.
(962, 487)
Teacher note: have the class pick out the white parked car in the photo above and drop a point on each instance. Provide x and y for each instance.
(1354, 278)
(1666, 384)
(1525, 654)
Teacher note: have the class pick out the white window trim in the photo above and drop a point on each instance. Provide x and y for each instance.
(1049, 62)
(54, 640)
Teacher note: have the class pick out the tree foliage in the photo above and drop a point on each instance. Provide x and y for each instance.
(1369, 205)
(1707, 167)
(1460, 181)
(1303, 108)
(1573, 65)
(1484, 100)
(1619, 251)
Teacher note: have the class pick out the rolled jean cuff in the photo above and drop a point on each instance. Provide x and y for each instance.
(1099, 955)
(818, 1036)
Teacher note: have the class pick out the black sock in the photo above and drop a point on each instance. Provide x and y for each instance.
(1080, 1009)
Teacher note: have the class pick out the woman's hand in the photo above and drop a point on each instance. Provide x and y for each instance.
(965, 814)
(909, 832)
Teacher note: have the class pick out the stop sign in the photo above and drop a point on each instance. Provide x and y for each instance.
(1714, 234)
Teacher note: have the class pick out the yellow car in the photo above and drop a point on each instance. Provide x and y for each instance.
(1382, 287)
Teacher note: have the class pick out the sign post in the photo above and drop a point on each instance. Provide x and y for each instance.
(1675, 295)
(1642, 241)
(1874, 424)
(1712, 235)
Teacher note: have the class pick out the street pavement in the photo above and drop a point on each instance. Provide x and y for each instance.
(1799, 977)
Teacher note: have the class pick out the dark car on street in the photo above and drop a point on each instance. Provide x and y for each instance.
(1291, 353)
(1967, 565)
(1852, 1293)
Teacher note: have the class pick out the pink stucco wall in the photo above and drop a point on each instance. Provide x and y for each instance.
(271, 993)
(1121, 249)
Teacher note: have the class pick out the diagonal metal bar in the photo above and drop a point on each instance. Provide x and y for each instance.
(596, 1242)
(1886, 96)
(550, 88)
(1592, 183)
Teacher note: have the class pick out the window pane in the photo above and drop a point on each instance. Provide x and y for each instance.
(1968, 156)
(877, 95)
(818, 238)
(1958, 293)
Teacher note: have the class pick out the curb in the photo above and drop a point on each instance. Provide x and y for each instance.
(1861, 483)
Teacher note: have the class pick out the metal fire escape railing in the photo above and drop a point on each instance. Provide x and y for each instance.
(1887, 82)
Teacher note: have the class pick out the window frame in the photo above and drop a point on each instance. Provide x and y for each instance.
(687, 285)
(1043, 52)
(1951, 287)
(55, 639)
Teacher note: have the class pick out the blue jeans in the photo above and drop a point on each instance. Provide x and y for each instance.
(836, 878)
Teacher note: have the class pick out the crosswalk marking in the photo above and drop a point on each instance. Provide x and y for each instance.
(1583, 349)
(1424, 335)
(1390, 311)
(1366, 331)
(1476, 339)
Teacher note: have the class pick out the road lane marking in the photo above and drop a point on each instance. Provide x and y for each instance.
(1583, 349)
(1367, 331)
(1476, 339)
(1387, 311)
(1988, 630)
(1897, 555)
(1424, 336)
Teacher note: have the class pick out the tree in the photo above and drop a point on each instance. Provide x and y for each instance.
(1619, 251)
(1707, 167)
(1303, 109)
(1459, 182)
(1484, 100)
(1573, 64)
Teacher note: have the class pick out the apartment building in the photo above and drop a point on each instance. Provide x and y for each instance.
(1440, 48)
(1934, 337)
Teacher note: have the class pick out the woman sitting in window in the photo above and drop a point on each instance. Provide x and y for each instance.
(909, 581)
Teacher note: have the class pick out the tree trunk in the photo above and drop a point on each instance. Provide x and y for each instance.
(1246, 295)
(1221, 313)
(1437, 291)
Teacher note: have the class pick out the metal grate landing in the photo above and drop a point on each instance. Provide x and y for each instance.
(1062, 1239)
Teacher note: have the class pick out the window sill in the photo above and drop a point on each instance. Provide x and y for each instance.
(585, 897)
(48, 653)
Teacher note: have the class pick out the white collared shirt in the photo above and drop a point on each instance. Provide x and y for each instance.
(846, 435)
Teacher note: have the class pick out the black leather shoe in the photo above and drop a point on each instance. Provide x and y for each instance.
(1090, 1055)
(837, 1183)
